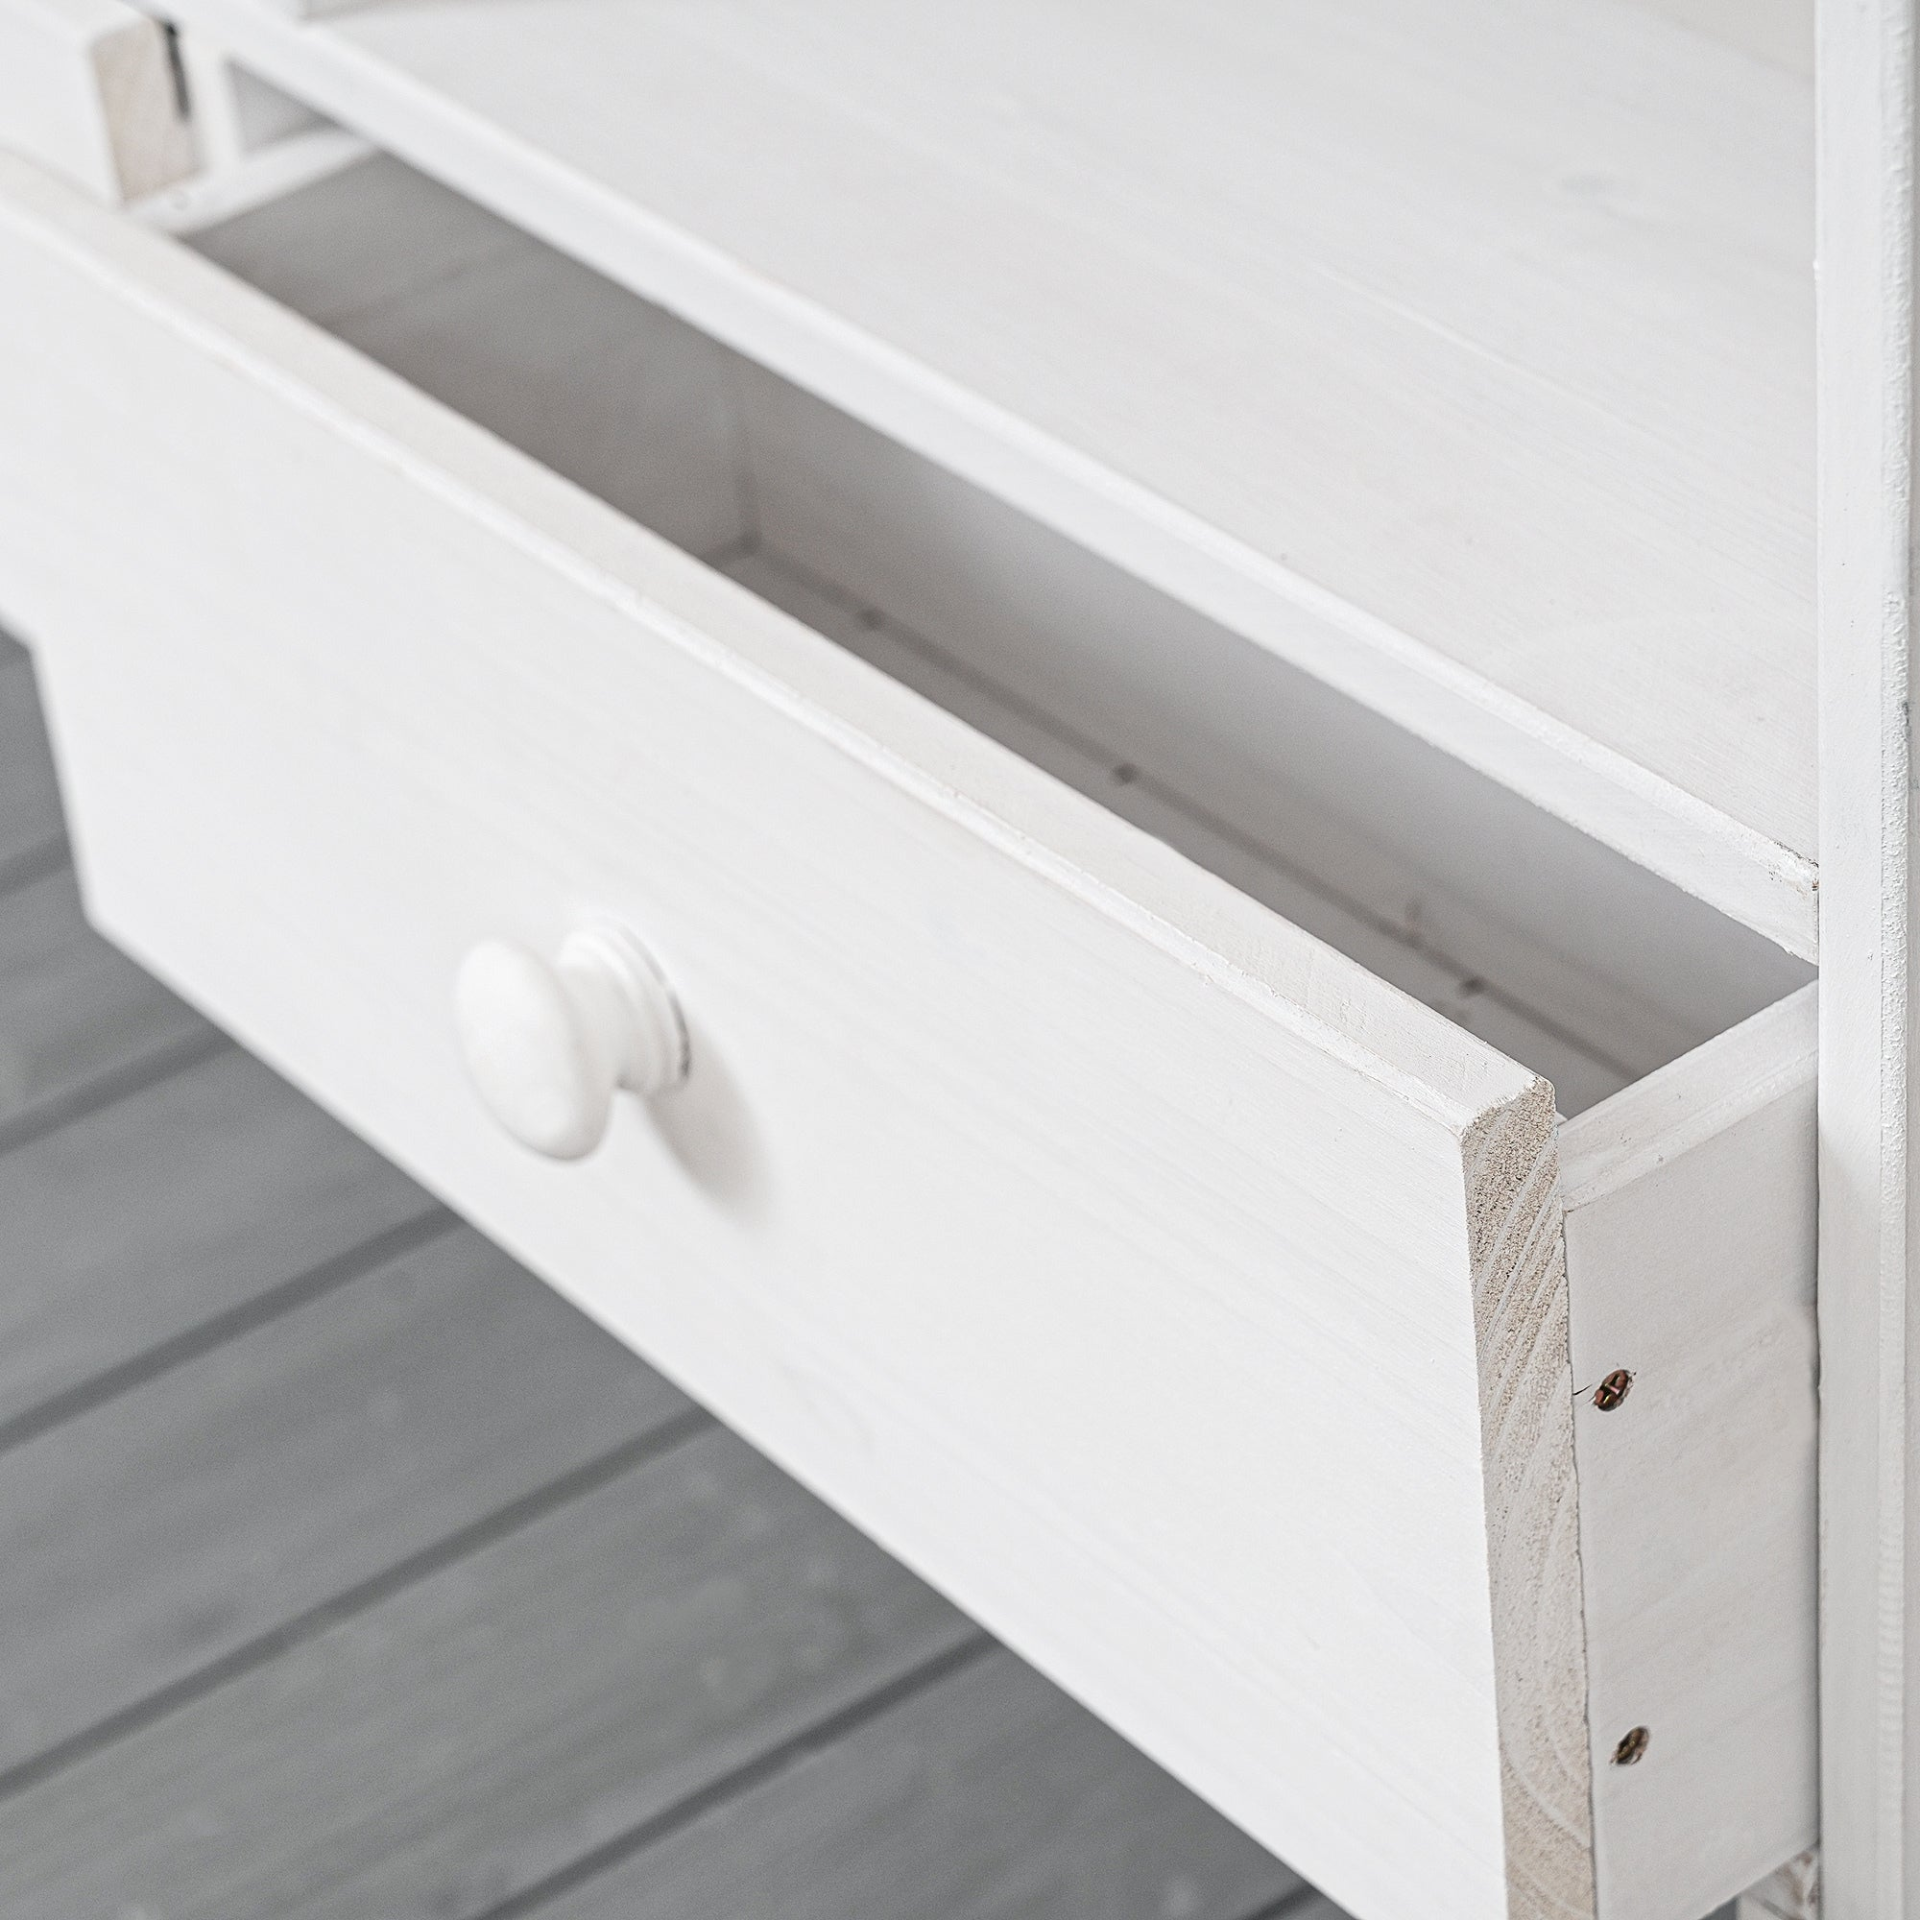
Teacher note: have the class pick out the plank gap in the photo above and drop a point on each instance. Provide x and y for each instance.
(1299, 1901)
(191, 1342)
(776, 1760)
(103, 1090)
(281, 1640)
(37, 862)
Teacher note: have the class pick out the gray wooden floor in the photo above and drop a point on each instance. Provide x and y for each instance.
(346, 1571)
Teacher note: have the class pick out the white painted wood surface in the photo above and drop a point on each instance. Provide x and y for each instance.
(540, 351)
(1690, 1213)
(1460, 356)
(1556, 946)
(251, 180)
(1558, 952)
(1870, 1522)
(235, 113)
(904, 968)
(1780, 31)
(308, 9)
(917, 1221)
(87, 88)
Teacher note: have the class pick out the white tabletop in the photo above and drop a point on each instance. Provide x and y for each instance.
(1462, 354)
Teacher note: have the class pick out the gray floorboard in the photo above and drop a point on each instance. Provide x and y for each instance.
(30, 822)
(194, 1198)
(78, 1020)
(166, 1531)
(347, 1573)
(984, 1796)
(469, 1736)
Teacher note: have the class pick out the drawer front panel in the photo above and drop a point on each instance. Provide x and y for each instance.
(1145, 1272)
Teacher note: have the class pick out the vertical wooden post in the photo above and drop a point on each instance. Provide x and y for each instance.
(1870, 1526)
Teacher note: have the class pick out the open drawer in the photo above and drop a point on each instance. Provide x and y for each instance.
(1106, 1169)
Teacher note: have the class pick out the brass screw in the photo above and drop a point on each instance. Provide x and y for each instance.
(1613, 1389)
(1633, 1744)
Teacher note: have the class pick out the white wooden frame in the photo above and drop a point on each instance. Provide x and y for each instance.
(1866, 160)
(88, 88)
(1871, 1837)
(348, 66)
(137, 319)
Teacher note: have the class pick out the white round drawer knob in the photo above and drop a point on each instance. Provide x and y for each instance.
(549, 1045)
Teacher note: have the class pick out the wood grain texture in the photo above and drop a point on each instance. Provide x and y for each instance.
(288, 1465)
(77, 1019)
(1558, 952)
(1870, 1526)
(1690, 1207)
(547, 712)
(235, 1501)
(1790, 1892)
(1519, 1272)
(1509, 308)
(983, 1795)
(87, 89)
(175, 1205)
(468, 1737)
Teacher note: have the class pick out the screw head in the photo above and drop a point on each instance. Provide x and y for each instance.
(1613, 1389)
(1632, 1746)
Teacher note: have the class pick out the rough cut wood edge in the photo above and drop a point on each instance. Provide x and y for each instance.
(151, 139)
(87, 89)
(1517, 1253)
(1790, 1892)
(1865, 243)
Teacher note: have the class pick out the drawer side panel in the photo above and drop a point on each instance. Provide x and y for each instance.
(1690, 1244)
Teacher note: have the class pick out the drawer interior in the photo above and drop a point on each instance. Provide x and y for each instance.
(1009, 1121)
(1561, 953)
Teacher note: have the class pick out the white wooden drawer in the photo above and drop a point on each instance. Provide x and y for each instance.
(1207, 1314)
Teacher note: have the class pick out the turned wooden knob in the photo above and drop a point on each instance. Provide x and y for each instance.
(549, 1044)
